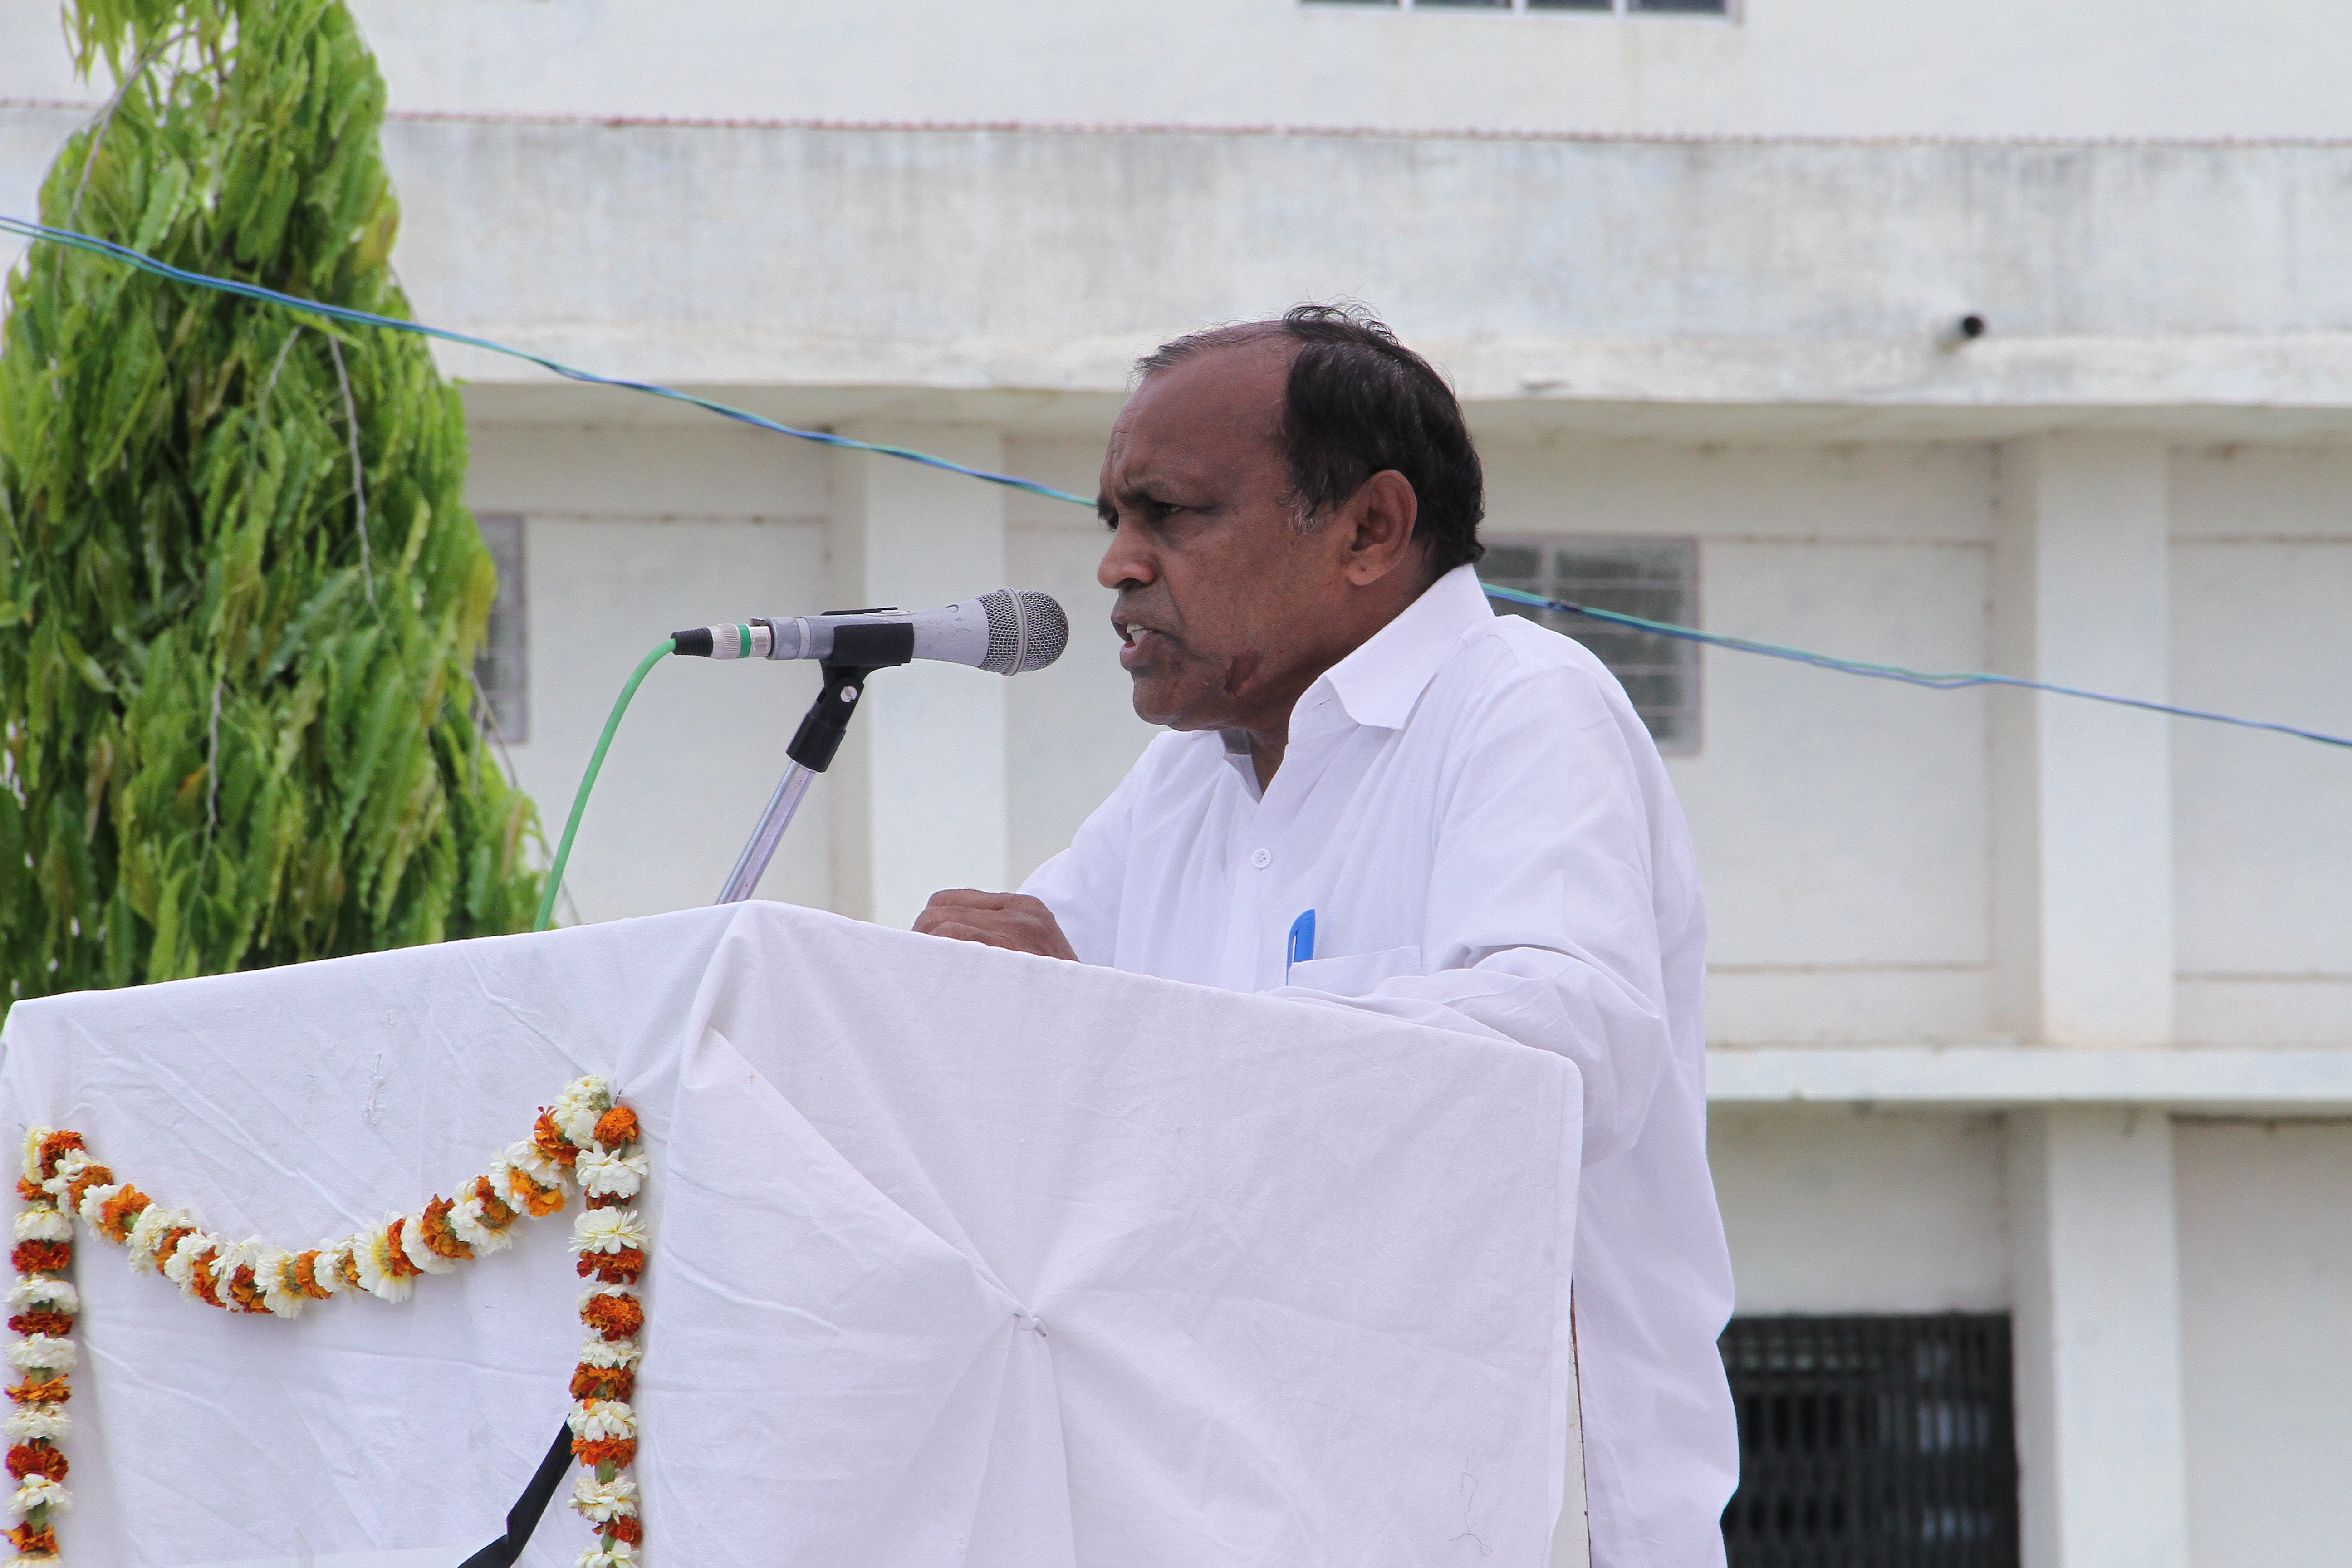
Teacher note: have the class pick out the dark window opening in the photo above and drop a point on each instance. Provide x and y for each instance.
(1884, 1442)
(502, 669)
(1656, 579)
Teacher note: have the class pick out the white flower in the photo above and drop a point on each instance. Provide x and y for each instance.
(607, 1230)
(71, 1163)
(594, 1291)
(466, 1220)
(45, 1295)
(411, 1242)
(43, 1224)
(619, 1175)
(602, 1419)
(273, 1270)
(48, 1421)
(619, 1554)
(34, 1138)
(180, 1268)
(372, 1256)
(38, 1491)
(599, 1351)
(323, 1266)
(576, 1110)
(526, 1158)
(147, 1233)
(52, 1354)
(94, 1200)
(605, 1502)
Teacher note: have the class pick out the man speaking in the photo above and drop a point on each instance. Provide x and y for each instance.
(1376, 794)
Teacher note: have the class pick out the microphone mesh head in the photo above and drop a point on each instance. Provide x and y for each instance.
(1044, 629)
(1004, 632)
(1027, 630)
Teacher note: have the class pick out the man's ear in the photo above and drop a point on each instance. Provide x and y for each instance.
(1380, 518)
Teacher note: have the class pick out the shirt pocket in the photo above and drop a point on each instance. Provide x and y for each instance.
(1354, 974)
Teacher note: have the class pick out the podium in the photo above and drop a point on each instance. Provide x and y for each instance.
(958, 1258)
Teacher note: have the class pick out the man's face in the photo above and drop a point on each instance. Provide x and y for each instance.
(1226, 611)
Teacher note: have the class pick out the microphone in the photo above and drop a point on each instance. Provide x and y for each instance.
(1009, 632)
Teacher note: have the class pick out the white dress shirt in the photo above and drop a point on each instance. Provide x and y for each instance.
(1489, 842)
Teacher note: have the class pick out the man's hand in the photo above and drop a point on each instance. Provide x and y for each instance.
(1000, 919)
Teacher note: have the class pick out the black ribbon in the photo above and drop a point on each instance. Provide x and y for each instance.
(523, 1517)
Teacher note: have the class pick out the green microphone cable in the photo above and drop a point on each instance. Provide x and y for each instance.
(660, 651)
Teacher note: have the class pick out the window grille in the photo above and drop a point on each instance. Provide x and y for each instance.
(502, 669)
(1873, 1443)
(1656, 579)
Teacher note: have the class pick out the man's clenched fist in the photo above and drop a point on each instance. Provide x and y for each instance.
(1000, 919)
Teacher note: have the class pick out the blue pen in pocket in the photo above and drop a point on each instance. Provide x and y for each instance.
(1302, 942)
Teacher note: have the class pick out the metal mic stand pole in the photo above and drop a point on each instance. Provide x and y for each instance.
(858, 652)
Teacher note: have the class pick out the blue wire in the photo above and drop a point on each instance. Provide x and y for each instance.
(1952, 681)
(1940, 682)
(361, 318)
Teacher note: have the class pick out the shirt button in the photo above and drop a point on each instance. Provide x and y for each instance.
(1262, 858)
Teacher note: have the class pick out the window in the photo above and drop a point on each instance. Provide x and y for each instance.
(1589, 7)
(502, 670)
(1656, 579)
(1873, 1443)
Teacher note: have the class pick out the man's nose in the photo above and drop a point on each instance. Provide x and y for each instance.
(1124, 563)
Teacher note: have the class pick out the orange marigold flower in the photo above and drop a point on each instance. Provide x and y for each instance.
(540, 1200)
(245, 1290)
(550, 1140)
(347, 1268)
(87, 1177)
(41, 1256)
(604, 1450)
(602, 1382)
(616, 1127)
(43, 1322)
(614, 1317)
(395, 1254)
(439, 1239)
(171, 1242)
(628, 1527)
(52, 1390)
(306, 1276)
(200, 1278)
(37, 1460)
(41, 1543)
(31, 1192)
(117, 1214)
(54, 1148)
(496, 1213)
(606, 1200)
(620, 1268)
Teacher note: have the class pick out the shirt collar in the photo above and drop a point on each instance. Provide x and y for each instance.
(1380, 682)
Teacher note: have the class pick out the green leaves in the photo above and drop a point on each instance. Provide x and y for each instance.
(235, 707)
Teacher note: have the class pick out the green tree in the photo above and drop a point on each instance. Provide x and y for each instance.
(240, 594)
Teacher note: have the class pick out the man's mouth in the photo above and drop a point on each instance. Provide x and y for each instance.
(1136, 642)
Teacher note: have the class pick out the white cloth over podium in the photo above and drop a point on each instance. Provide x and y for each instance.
(961, 1257)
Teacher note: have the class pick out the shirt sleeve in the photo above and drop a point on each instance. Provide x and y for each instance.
(1544, 909)
(1082, 884)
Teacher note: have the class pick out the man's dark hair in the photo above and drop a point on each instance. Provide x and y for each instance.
(1358, 401)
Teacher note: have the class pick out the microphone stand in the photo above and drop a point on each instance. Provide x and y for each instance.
(858, 652)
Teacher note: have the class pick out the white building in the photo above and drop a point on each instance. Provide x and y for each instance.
(2024, 1008)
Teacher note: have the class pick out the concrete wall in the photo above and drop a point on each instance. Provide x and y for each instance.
(2005, 67)
(2266, 1290)
(2262, 573)
(1839, 1209)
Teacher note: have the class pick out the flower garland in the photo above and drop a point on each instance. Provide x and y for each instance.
(584, 1137)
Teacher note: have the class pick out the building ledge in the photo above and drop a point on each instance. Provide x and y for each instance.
(2222, 1081)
